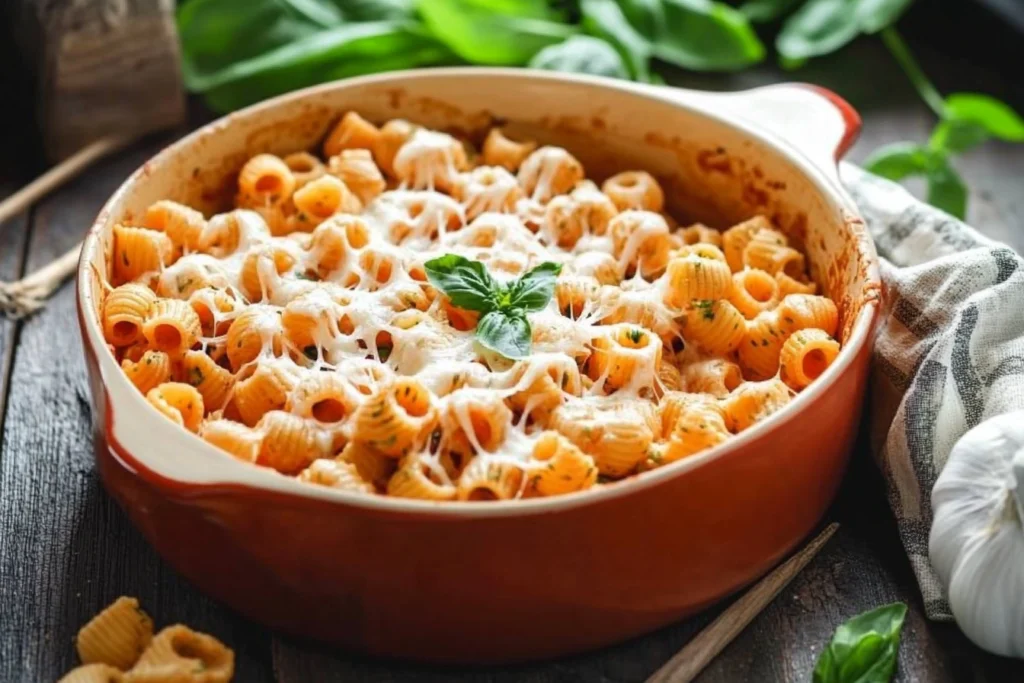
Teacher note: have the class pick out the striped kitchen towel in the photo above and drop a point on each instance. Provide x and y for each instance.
(948, 354)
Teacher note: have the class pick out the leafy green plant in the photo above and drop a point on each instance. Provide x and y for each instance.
(864, 649)
(965, 121)
(236, 52)
(503, 326)
(582, 54)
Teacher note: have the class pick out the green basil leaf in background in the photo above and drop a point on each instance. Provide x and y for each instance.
(706, 36)
(818, 28)
(582, 54)
(534, 288)
(767, 10)
(899, 160)
(348, 50)
(998, 118)
(646, 16)
(946, 189)
(864, 649)
(507, 332)
(497, 32)
(376, 10)
(874, 15)
(215, 34)
(605, 19)
(467, 283)
(955, 136)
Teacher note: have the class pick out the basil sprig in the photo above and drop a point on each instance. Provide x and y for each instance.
(864, 649)
(503, 326)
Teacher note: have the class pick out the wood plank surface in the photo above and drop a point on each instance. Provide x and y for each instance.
(66, 550)
(13, 237)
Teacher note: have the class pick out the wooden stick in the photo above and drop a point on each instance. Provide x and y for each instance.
(58, 175)
(699, 652)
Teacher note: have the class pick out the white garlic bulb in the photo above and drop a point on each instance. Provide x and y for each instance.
(977, 537)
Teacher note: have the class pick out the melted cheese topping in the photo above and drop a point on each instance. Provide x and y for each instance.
(373, 317)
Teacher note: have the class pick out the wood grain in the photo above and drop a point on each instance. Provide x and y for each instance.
(66, 550)
(101, 67)
(12, 250)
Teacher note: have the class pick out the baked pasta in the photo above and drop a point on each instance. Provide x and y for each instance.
(408, 316)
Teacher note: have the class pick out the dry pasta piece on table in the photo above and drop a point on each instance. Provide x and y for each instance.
(181, 403)
(124, 313)
(116, 636)
(178, 653)
(805, 355)
(93, 673)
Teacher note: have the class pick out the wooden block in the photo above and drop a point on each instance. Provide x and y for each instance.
(100, 67)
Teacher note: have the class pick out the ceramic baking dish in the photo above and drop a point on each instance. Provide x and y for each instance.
(514, 580)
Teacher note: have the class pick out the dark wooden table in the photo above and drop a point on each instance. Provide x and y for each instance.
(66, 550)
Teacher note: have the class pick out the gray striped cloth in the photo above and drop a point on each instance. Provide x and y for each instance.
(948, 353)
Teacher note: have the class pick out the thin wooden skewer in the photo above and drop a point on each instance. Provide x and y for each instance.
(21, 298)
(59, 174)
(699, 652)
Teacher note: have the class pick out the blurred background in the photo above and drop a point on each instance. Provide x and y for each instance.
(235, 52)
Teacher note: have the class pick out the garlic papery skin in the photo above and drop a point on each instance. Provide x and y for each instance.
(977, 538)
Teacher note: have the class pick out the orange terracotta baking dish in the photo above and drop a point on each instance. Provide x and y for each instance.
(526, 579)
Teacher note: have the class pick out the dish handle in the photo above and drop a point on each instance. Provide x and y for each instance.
(815, 120)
